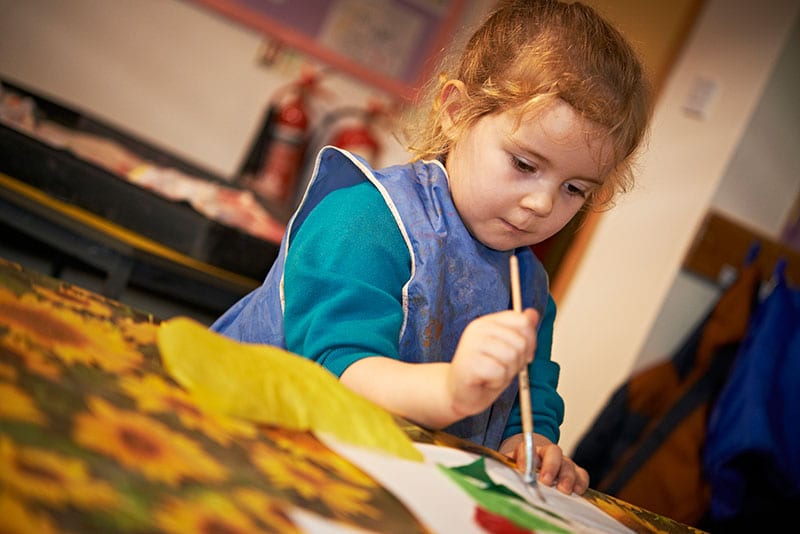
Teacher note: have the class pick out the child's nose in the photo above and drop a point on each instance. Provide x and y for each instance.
(539, 201)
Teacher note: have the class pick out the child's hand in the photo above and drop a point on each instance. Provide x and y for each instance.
(555, 468)
(492, 351)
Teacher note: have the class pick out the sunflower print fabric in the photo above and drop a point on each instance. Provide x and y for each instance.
(95, 436)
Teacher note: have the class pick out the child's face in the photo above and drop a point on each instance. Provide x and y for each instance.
(515, 187)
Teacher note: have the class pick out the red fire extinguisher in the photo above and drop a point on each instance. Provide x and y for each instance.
(351, 128)
(356, 135)
(275, 179)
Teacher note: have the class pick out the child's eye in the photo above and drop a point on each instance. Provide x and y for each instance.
(522, 165)
(576, 191)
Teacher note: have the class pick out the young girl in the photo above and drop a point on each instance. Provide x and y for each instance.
(397, 280)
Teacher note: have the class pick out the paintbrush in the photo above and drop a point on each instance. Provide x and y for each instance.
(524, 389)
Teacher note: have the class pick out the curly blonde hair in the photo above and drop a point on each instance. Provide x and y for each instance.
(527, 54)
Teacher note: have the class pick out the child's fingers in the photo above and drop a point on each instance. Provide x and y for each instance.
(533, 316)
(510, 329)
(560, 471)
(551, 456)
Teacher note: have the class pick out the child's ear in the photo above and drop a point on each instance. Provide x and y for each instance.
(451, 98)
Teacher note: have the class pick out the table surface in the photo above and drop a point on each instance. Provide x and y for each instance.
(124, 255)
(95, 437)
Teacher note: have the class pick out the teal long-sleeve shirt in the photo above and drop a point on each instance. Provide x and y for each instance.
(343, 283)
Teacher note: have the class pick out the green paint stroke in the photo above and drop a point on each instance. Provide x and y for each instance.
(477, 471)
(500, 499)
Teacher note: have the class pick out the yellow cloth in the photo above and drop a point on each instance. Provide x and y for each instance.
(266, 384)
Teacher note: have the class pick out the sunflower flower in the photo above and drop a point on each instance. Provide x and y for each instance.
(32, 357)
(138, 332)
(8, 372)
(51, 478)
(305, 446)
(271, 511)
(75, 298)
(312, 483)
(153, 394)
(143, 444)
(18, 519)
(206, 512)
(71, 336)
(19, 406)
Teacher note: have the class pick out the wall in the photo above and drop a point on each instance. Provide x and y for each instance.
(758, 187)
(171, 72)
(176, 74)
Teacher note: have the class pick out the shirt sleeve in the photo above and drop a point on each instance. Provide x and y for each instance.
(343, 279)
(547, 404)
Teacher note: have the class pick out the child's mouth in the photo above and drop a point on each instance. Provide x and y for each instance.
(514, 229)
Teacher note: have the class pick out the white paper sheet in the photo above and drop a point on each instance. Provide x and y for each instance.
(444, 507)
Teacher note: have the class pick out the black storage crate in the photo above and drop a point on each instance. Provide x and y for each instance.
(177, 225)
